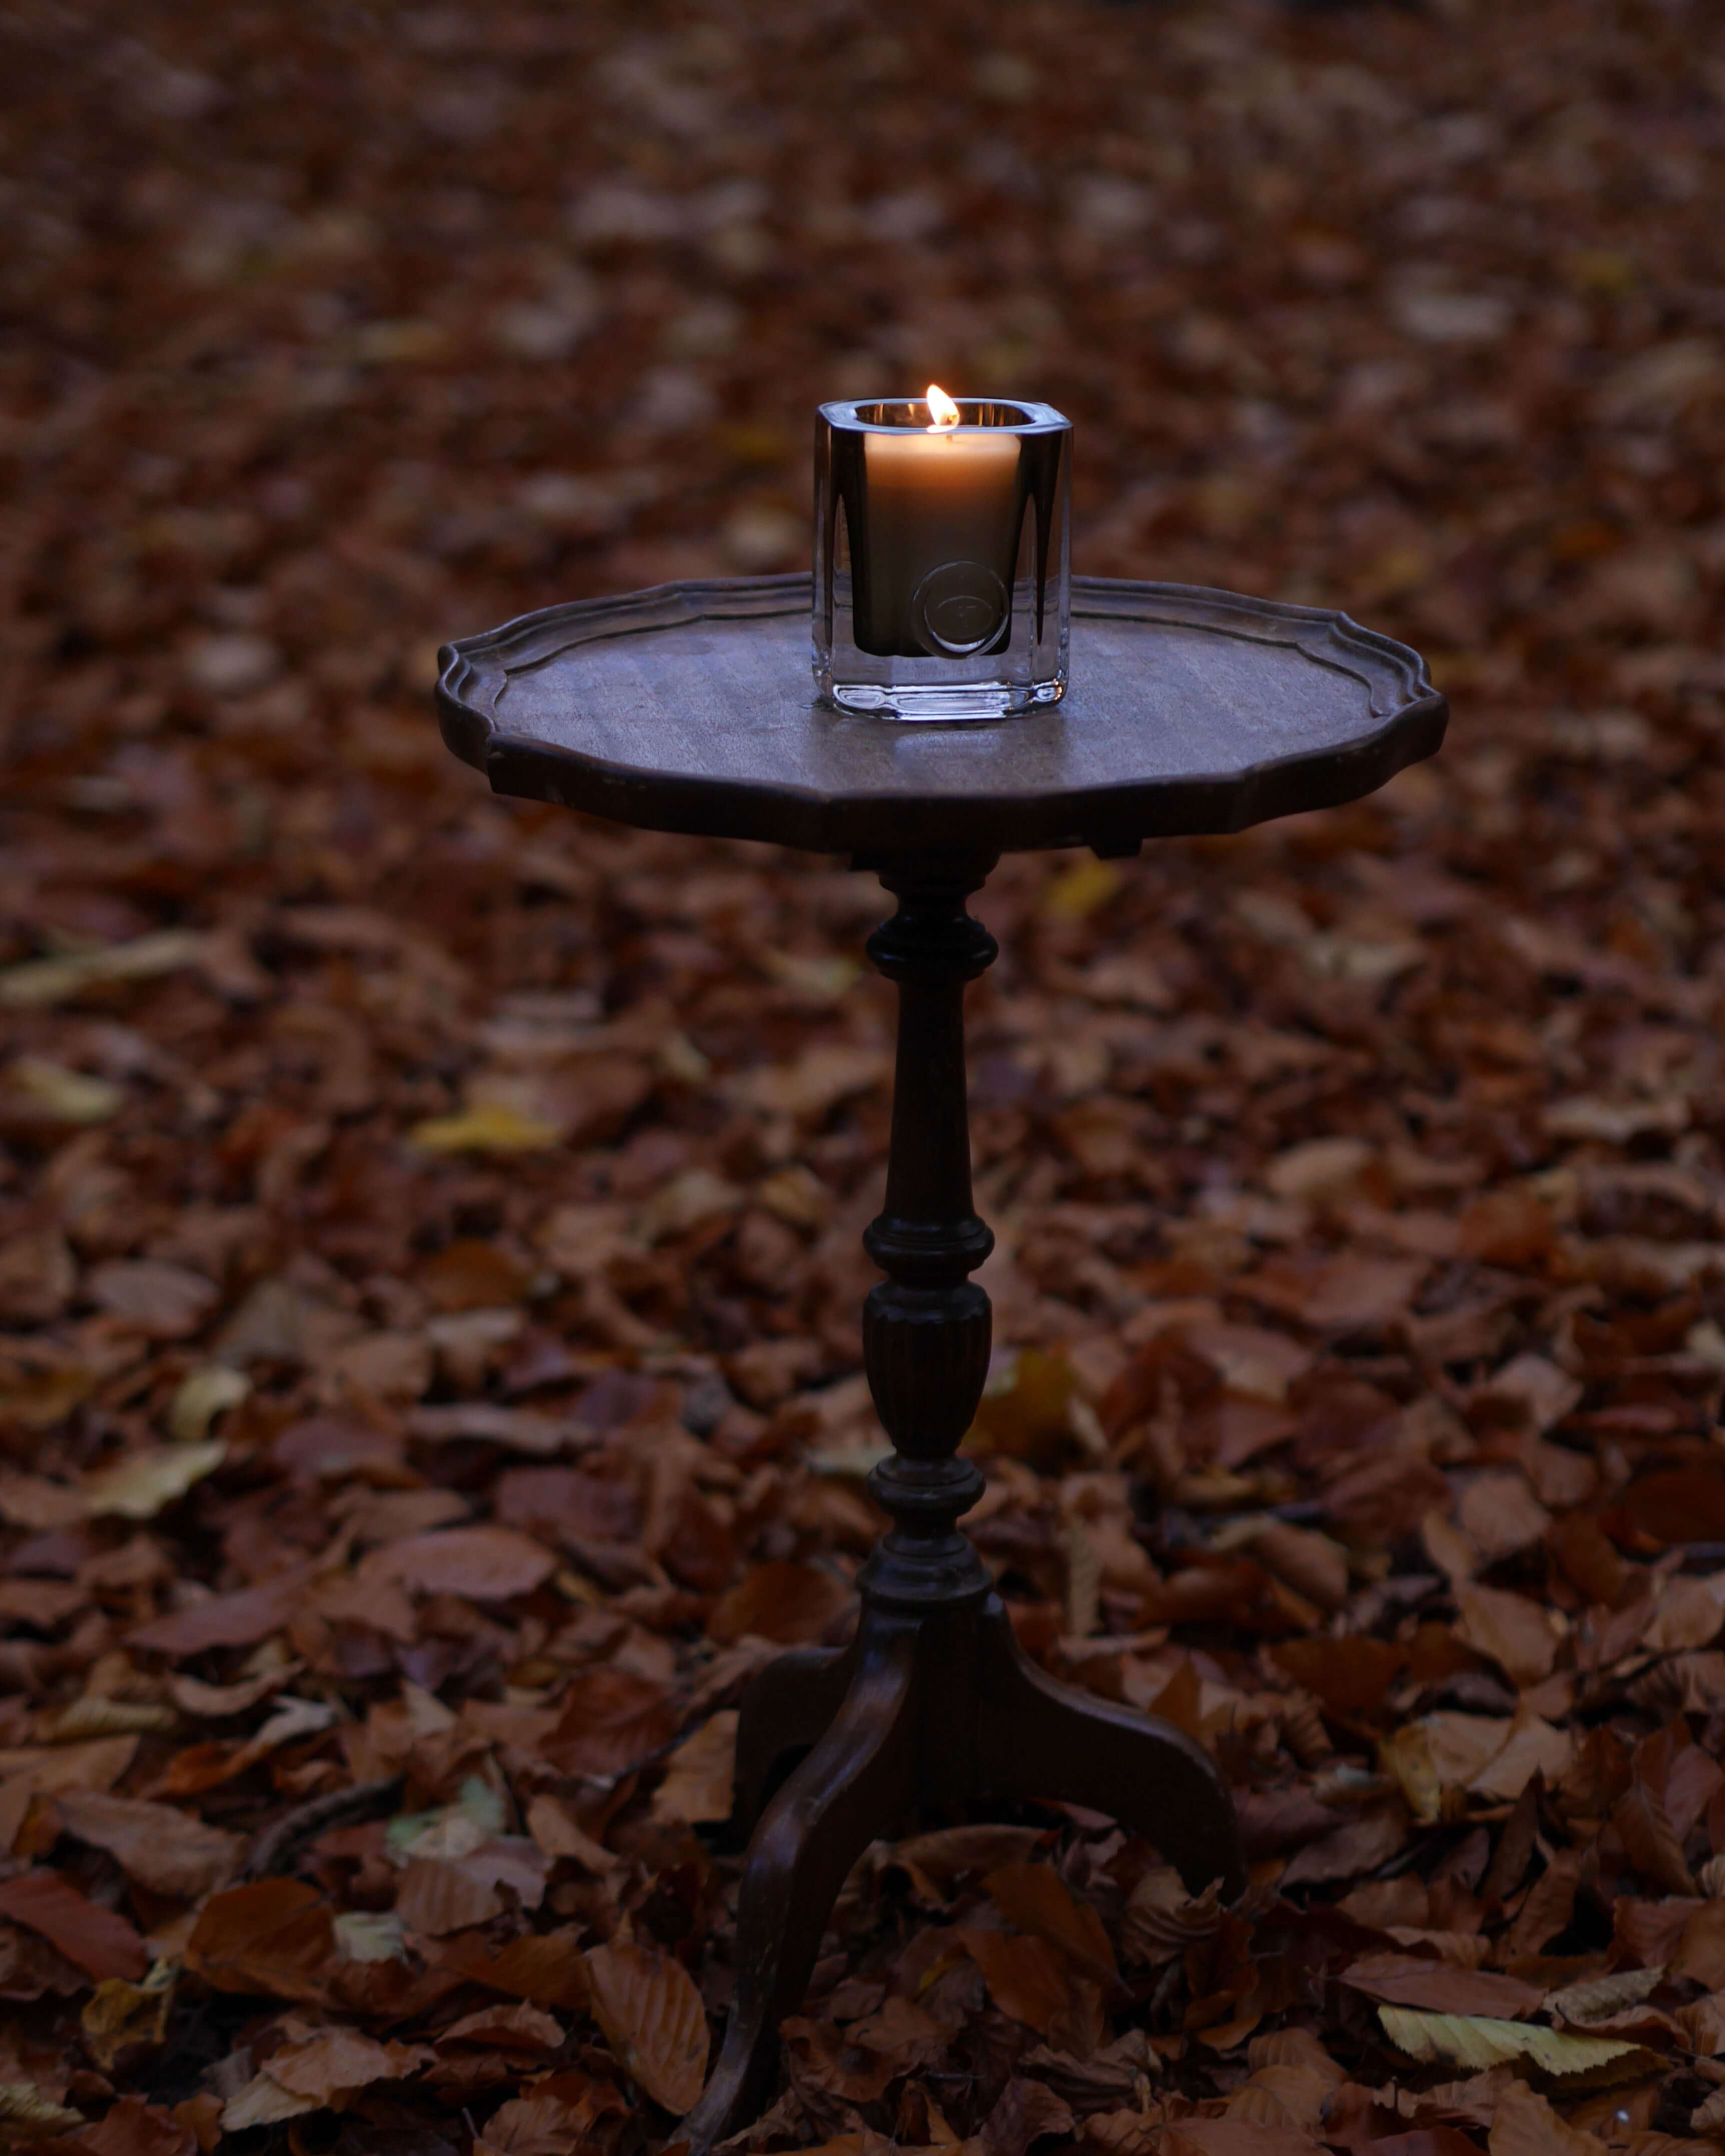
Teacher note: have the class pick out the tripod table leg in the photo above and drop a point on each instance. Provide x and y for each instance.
(788, 1706)
(853, 1785)
(1038, 1738)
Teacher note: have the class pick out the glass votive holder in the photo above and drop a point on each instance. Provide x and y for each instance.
(940, 582)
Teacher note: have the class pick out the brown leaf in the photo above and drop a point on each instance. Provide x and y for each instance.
(133, 2128)
(274, 1937)
(168, 1851)
(612, 1720)
(1024, 2111)
(97, 1939)
(524, 2032)
(1350, 1674)
(558, 2115)
(782, 1599)
(1508, 1629)
(1405, 1981)
(651, 2012)
(1648, 1836)
(1036, 1899)
(1525, 2125)
(1342, 1294)
(1236, 2137)
(699, 1773)
(1700, 1953)
(239, 1620)
(546, 1968)
(1677, 1505)
(483, 1563)
(1027, 1978)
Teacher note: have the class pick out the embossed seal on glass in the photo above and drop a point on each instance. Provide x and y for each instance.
(941, 577)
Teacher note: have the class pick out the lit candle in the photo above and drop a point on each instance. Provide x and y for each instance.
(940, 579)
(942, 507)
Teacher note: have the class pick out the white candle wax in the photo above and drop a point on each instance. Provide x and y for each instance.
(940, 538)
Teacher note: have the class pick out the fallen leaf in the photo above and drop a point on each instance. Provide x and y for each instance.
(120, 2017)
(1476, 2042)
(488, 1126)
(782, 1600)
(165, 1850)
(1036, 1899)
(97, 1939)
(612, 1720)
(697, 1784)
(272, 1937)
(483, 1563)
(1440, 1987)
(1525, 2125)
(651, 2012)
(1508, 1629)
(145, 1483)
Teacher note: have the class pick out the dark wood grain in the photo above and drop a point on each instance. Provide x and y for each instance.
(691, 708)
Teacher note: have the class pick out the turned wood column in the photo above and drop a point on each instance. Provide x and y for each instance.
(926, 1327)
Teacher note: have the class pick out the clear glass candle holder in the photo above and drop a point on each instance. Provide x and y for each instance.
(941, 588)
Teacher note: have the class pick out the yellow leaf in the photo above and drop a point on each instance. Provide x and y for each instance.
(1476, 2042)
(43, 981)
(63, 1095)
(142, 1484)
(26, 2115)
(119, 2016)
(204, 1393)
(1077, 892)
(488, 1127)
(812, 980)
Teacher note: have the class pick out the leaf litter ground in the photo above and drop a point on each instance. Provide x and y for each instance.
(428, 1259)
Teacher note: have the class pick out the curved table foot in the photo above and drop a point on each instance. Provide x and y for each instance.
(788, 1708)
(853, 1785)
(1038, 1738)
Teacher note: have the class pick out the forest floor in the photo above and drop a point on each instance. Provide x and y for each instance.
(429, 1226)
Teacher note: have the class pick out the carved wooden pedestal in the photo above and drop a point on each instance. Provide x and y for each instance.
(687, 709)
(932, 1705)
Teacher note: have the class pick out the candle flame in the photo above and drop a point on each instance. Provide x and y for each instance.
(943, 412)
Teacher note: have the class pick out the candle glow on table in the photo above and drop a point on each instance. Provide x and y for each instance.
(940, 556)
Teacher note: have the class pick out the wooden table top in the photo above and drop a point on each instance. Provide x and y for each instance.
(690, 707)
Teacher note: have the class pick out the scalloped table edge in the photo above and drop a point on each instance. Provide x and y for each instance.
(1112, 821)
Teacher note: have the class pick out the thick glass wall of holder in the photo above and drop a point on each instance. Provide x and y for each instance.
(941, 585)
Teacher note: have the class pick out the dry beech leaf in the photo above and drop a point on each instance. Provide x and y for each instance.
(119, 2017)
(483, 1564)
(1350, 1676)
(699, 1773)
(651, 2012)
(545, 1968)
(783, 1600)
(26, 2114)
(1036, 1899)
(1508, 1629)
(1439, 1988)
(165, 1850)
(1525, 2125)
(143, 1484)
(1477, 2042)
(1597, 1998)
(95, 1939)
(1028, 1980)
(612, 1720)
(274, 1937)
